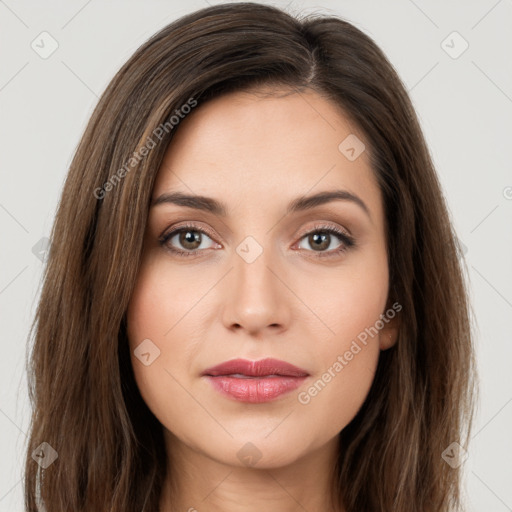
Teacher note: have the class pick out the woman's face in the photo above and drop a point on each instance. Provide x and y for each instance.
(265, 281)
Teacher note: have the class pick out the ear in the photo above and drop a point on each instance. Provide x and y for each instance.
(388, 335)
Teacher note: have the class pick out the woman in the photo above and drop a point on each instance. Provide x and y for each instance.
(253, 298)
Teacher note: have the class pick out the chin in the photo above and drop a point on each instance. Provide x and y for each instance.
(258, 451)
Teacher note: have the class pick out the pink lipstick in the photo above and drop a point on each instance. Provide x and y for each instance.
(255, 381)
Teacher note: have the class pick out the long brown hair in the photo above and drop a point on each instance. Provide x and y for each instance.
(85, 402)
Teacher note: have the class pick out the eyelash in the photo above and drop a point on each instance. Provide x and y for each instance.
(347, 241)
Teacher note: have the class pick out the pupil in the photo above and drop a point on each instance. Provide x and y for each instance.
(189, 237)
(320, 240)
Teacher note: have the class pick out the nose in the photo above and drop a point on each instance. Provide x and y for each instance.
(257, 298)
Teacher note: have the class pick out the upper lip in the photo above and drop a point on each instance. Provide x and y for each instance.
(259, 368)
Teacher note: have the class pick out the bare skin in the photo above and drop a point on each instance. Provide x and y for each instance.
(255, 155)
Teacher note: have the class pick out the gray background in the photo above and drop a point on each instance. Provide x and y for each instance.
(464, 105)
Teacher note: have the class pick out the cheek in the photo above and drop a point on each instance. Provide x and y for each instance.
(150, 321)
(146, 314)
(160, 302)
(346, 301)
(350, 305)
(346, 363)
(162, 321)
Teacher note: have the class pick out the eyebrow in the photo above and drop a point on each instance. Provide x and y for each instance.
(303, 203)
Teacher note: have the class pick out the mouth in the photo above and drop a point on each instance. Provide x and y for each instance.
(255, 381)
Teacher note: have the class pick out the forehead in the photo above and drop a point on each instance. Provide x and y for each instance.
(253, 149)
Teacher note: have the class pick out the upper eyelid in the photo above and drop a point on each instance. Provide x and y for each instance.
(325, 225)
(185, 225)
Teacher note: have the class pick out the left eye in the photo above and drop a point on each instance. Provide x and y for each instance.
(321, 239)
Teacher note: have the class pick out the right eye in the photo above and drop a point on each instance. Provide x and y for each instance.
(188, 237)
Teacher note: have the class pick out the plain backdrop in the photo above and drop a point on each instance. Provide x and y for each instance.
(460, 85)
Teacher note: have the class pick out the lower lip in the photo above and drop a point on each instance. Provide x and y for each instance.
(255, 390)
